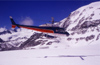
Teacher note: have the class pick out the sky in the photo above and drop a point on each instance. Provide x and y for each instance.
(36, 12)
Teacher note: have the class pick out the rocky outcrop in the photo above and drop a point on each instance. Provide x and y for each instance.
(34, 40)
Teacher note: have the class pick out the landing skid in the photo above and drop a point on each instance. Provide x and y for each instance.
(64, 56)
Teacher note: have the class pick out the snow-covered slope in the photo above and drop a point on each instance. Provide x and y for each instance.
(89, 13)
(69, 56)
(13, 38)
(83, 24)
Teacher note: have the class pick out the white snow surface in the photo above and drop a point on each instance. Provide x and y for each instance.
(52, 56)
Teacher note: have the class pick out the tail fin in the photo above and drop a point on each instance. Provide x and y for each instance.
(13, 23)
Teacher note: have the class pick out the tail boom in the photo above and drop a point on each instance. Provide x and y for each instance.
(13, 26)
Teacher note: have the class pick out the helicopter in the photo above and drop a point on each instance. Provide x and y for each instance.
(43, 29)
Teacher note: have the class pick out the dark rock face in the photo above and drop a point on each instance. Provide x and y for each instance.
(6, 46)
(88, 24)
(4, 32)
(90, 37)
(1, 41)
(49, 43)
(31, 41)
(69, 39)
(98, 36)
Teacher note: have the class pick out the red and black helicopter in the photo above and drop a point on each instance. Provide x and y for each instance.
(43, 29)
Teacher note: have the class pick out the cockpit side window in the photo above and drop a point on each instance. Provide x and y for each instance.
(60, 30)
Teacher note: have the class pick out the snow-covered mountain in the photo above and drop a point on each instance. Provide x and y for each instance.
(83, 17)
(24, 38)
(83, 25)
(13, 38)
